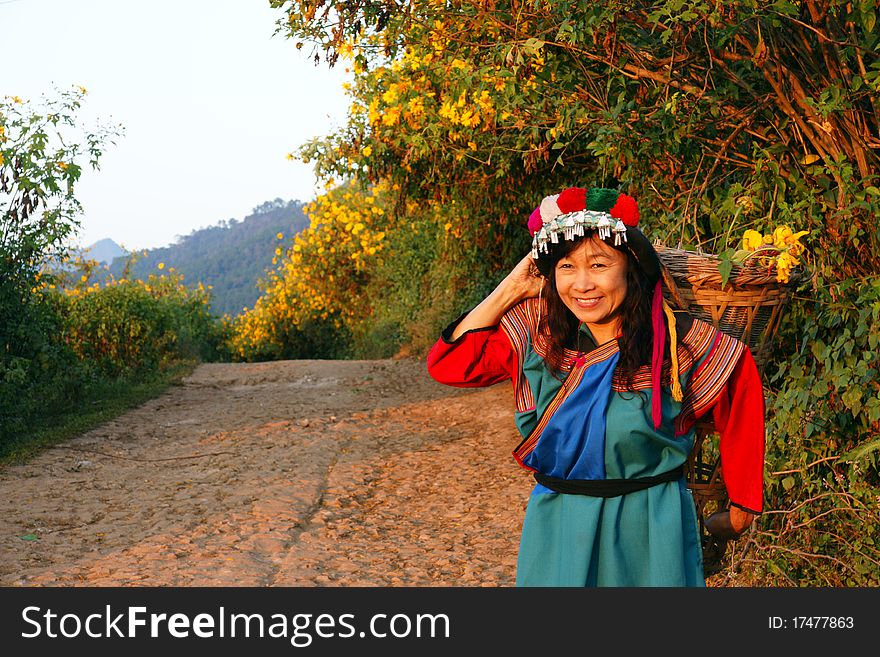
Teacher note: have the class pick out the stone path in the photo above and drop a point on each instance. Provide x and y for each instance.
(294, 473)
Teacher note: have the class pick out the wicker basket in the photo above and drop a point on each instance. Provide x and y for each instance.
(749, 307)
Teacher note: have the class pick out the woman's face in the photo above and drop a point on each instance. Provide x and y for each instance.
(591, 281)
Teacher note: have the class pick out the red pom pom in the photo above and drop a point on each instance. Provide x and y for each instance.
(626, 209)
(572, 199)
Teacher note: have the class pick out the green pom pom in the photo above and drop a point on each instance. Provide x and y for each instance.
(600, 199)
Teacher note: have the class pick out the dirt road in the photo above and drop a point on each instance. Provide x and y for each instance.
(293, 473)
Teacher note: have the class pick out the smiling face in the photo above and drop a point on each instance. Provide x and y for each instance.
(591, 282)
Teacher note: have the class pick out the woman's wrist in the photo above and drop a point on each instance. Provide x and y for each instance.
(508, 294)
(489, 311)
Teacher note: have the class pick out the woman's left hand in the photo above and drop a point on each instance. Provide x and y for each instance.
(739, 519)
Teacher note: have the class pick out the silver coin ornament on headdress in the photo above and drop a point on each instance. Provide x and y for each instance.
(573, 225)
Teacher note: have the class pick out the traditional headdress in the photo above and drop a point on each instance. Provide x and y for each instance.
(615, 216)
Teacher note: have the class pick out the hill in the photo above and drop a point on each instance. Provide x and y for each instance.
(231, 256)
(104, 251)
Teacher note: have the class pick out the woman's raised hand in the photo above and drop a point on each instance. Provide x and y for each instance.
(522, 282)
(525, 280)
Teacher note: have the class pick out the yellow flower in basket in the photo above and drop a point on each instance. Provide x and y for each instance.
(752, 239)
(780, 235)
(784, 263)
(779, 249)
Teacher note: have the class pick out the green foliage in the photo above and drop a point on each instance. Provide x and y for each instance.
(41, 148)
(65, 343)
(822, 458)
(136, 327)
(36, 370)
(717, 117)
(58, 418)
(443, 264)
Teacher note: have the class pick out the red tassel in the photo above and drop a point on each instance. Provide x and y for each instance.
(657, 359)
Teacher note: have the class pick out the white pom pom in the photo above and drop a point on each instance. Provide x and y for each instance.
(549, 209)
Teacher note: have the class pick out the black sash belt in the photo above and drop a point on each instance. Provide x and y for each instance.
(606, 487)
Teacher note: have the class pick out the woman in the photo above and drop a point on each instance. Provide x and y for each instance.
(608, 384)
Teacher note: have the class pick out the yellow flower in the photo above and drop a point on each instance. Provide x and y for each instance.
(469, 119)
(783, 266)
(280, 236)
(781, 236)
(373, 113)
(416, 106)
(367, 151)
(291, 156)
(751, 240)
(161, 265)
(794, 244)
(391, 116)
(797, 236)
(779, 249)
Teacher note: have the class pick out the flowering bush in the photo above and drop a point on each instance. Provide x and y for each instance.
(44, 147)
(779, 250)
(129, 326)
(314, 295)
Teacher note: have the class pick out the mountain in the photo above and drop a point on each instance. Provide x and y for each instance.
(104, 251)
(231, 256)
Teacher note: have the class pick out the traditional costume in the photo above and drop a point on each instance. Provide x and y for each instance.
(611, 506)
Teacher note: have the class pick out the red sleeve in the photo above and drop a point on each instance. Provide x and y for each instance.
(738, 415)
(480, 357)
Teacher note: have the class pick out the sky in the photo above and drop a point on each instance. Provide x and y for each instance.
(211, 102)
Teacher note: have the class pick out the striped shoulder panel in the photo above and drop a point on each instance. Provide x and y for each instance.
(520, 325)
(711, 375)
(699, 337)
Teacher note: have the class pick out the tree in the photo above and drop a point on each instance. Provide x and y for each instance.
(41, 148)
(41, 152)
